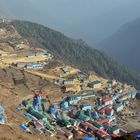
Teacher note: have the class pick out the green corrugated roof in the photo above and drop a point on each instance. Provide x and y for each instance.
(82, 116)
(96, 124)
(95, 82)
(26, 102)
(113, 128)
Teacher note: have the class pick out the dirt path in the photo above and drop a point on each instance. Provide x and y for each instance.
(51, 77)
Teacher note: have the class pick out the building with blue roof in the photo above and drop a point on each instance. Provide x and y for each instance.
(95, 114)
(35, 66)
(114, 97)
(118, 107)
(111, 118)
(73, 100)
(31, 55)
(54, 112)
(42, 53)
(2, 120)
(86, 106)
(65, 106)
(88, 138)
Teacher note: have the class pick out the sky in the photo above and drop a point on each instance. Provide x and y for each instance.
(90, 20)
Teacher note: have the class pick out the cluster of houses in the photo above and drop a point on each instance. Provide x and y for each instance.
(74, 85)
(86, 113)
(75, 116)
(39, 54)
(36, 65)
(30, 65)
(69, 85)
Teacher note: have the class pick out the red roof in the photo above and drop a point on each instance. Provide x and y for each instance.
(109, 109)
(89, 125)
(40, 95)
(101, 111)
(107, 123)
(104, 121)
(102, 132)
(107, 99)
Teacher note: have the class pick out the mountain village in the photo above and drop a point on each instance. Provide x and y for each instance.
(76, 106)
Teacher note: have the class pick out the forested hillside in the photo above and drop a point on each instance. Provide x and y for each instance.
(75, 52)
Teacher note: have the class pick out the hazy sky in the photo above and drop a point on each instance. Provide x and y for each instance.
(91, 20)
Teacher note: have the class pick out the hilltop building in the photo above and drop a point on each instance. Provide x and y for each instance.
(95, 84)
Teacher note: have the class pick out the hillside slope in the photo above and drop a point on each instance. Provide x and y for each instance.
(124, 45)
(75, 52)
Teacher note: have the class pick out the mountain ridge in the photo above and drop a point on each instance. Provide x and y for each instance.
(124, 45)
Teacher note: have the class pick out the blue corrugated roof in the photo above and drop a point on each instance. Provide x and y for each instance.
(1, 117)
(118, 105)
(86, 105)
(95, 82)
(88, 138)
(53, 109)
